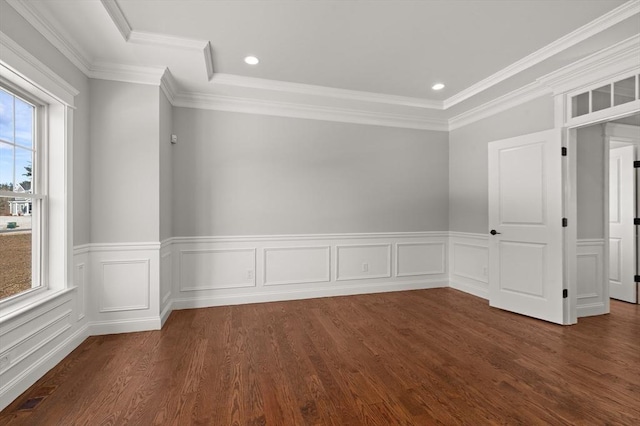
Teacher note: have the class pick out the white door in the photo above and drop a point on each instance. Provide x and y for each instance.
(622, 246)
(525, 211)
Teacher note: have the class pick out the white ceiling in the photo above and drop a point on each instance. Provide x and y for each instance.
(392, 47)
(391, 50)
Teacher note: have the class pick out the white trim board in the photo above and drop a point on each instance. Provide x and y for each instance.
(309, 111)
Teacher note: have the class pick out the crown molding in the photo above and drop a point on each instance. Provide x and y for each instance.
(594, 27)
(117, 16)
(54, 33)
(619, 58)
(208, 60)
(168, 86)
(162, 40)
(313, 112)
(323, 91)
(127, 73)
(42, 76)
(512, 99)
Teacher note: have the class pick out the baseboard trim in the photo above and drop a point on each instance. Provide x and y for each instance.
(22, 382)
(272, 296)
(591, 310)
(166, 312)
(98, 328)
(472, 289)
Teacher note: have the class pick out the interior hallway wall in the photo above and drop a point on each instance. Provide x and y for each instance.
(590, 181)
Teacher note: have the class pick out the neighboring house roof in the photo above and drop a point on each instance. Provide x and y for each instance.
(22, 187)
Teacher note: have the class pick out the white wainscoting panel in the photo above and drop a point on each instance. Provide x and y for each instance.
(166, 274)
(80, 279)
(591, 279)
(469, 263)
(125, 285)
(34, 340)
(297, 265)
(290, 267)
(124, 291)
(363, 261)
(615, 260)
(415, 259)
(212, 269)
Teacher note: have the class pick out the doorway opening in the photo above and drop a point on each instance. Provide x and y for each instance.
(606, 207)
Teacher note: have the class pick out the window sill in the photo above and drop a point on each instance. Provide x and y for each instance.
(18, 308)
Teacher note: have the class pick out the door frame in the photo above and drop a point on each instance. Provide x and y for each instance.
(571, 213)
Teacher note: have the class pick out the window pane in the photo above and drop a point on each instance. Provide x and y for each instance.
(24, 123)
(580, 105)
(6, 116)
(6, 166)
(624, 91)
(16, 248)
(601, 98)
(24, 162)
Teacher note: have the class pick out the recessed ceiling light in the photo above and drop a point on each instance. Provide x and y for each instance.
(438, 86)
(251, 60)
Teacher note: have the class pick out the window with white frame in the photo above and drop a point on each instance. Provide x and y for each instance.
(37, 113)
(22, 196)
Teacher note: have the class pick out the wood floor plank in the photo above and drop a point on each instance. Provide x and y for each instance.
(406, 358)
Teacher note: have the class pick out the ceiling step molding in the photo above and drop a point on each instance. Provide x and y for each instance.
(323, 91)
(127, 73)
(162, 40)
(159, 40)
(313, 112)
(600, 24)
(118, 18)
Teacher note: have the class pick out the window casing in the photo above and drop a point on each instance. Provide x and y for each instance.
(55, 98)
(23, 193)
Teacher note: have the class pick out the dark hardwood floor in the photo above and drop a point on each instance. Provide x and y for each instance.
(420, 357)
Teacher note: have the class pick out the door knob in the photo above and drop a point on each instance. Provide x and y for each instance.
(494, 232)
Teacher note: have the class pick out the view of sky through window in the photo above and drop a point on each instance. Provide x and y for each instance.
(17, 149)
(16, 141)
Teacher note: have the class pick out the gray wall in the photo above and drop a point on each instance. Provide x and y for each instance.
(242, 174)
(166, 168)
(468, 159)
(125, 162)
(590, 181)
(13, 25)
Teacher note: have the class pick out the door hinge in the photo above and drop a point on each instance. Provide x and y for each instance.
(565, 293)
(636, 164)
(565, 222)
(636, 221)
(636, 279)
(564, 151)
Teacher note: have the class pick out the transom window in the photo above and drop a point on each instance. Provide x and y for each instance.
(608, 96)
(21, 196)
